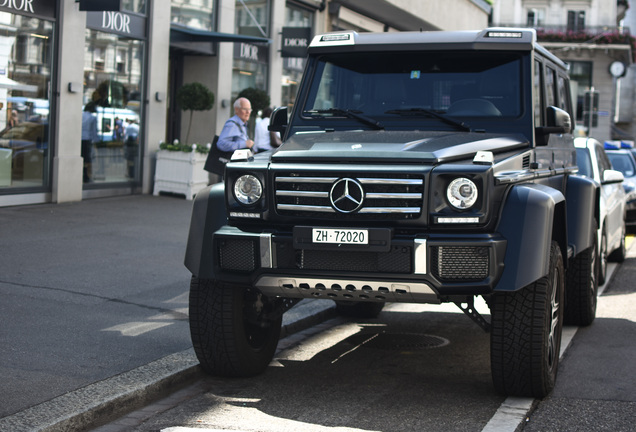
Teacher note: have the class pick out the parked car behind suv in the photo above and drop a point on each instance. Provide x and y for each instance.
(419, 167)
(593, 162)
(623, 160)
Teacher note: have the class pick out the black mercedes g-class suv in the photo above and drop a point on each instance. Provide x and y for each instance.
(422, 167)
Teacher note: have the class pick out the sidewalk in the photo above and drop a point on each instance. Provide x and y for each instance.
(94, 310)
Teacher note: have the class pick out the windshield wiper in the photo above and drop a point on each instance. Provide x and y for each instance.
(423, 111)
(351, 114)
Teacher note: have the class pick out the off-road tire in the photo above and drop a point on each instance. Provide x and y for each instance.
(526, 334)
(359, 309)
(582, 287)
(225, 342)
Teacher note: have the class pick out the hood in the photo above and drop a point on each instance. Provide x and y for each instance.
(409, 146)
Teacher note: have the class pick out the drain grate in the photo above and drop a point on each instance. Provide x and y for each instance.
(406, 341)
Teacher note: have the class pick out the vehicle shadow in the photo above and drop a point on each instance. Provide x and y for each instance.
(402, 371)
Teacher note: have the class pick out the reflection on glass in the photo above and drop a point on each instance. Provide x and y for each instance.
(25, 71)
(112, 83)
(252, 17)
(293, 66)
(196, 14)
(138, 6)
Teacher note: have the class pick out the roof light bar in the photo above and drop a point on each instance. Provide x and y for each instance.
(335, 37)
(504, 34)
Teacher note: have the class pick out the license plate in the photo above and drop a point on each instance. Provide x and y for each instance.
(340, 236)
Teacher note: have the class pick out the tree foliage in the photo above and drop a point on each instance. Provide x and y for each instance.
(258, 98)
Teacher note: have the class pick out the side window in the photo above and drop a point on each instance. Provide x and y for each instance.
(537, 94)
(603, 161)
(564, 94)
(550, 87)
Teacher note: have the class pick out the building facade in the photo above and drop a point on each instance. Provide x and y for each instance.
(590, 36)
(86, 96)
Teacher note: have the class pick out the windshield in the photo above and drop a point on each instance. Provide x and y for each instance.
(622, 162)
(442, 87)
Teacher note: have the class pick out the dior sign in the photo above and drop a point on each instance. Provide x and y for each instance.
(36, 8)
(295, 41)
(130, 25)
(18, 5)
(116, 21)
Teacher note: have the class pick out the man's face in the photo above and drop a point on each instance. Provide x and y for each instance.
(244, 110)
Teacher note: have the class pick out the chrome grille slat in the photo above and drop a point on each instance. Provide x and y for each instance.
(303, 193)
(384, 195)
(306, 179)
(411, 182)
(392, 195)
(397, 210)
(320, 209)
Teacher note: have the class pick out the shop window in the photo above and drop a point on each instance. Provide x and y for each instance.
(198, 14)
(138, 6)
(250, 65)
(112, 94)
(25, 78)
(293, 66)
(252, 17)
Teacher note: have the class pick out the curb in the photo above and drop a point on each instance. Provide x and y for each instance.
(107, 400)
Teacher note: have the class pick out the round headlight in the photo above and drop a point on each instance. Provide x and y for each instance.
(461, 193)
(248, 189)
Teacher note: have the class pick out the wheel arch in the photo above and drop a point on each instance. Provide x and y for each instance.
(208, 215)
(582, 195)
(529, 221)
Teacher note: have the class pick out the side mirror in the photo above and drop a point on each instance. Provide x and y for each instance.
(612, 176)
(278, 120)
(557, 120)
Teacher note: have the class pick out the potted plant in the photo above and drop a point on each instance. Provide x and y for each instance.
(180, 166)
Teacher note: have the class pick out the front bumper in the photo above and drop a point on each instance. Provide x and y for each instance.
(410, 268)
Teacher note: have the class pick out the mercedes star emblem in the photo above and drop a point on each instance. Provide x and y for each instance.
(346, 195)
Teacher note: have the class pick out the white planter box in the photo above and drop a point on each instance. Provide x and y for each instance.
(180, 173)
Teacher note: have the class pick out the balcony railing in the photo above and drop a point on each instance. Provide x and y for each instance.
(604, 35)
(592, 35)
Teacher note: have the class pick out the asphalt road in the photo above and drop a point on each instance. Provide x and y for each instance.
(415, 368)
(89, 290)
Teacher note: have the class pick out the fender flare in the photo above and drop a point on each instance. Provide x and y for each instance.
(208, 215)
(583, 212)
(528, 220)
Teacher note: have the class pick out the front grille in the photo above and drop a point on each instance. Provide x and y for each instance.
(397, 260)
(460, 263)
(386, 196)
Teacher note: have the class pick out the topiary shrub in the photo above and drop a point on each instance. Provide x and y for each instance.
(194, 97)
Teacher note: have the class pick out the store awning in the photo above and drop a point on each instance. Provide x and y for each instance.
(181, 34)
(9, 84)
(386, 12)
